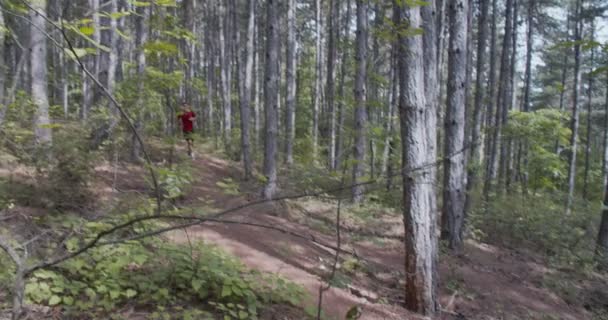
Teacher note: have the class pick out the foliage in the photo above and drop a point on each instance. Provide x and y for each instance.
(538, 222)
(539, 131)
(174, 181)
(154, 272)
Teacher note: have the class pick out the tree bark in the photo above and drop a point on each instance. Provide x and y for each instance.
(141, 37)
(290, 76)
(503, 92)
(318, 81)
(38, 68)
(343, 71)
(489, 172)
(475, 154)
(188, 47)
(589, 110)
(334, 33)
(246, 92)
(507, 145)
(454, 168)
(225, 73)
(574, 124)
(271, 86)
(360, 101)
(3, 68)
(419, 148)
(601, 251)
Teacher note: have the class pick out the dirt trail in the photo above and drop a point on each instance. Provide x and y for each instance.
(273, 251)
(491, 283)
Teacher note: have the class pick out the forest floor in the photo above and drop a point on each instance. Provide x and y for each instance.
(486, 282)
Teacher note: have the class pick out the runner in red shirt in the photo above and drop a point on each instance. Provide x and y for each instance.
(187, 117)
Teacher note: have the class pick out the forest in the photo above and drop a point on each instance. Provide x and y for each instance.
(303, 159)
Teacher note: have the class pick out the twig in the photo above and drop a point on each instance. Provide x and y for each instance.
(337, 256)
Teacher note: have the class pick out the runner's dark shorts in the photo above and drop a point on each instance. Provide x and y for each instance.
(189, 135)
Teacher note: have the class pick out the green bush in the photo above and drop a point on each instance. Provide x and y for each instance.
(539, 222)
(168, 275)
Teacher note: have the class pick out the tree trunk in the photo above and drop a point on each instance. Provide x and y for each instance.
(318, 81)
(271, 86)
(188, 49)
(343, 70)
(601, 251)
(454, 168)
(418, 148)
(527, 85)
(360, 101)
(210, 81)
(290, 76)
(389, 125)
(490, 150)
(507, 145)
(141, 36)
(589, 105)
(3, 69)
(113, 59)
(476, 137)
(38, 70)
(246, 92)
(574, 124)
(225, 73)
(502, 108)
(334, 33)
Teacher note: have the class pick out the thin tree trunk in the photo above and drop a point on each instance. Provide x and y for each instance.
(575, 107)
(141, 36)
(454, 168)
(389, 126)
(589, 105)
(290, 75)
(113, 59)
(419, 147)
(3, 68)
(271, 86)
(527, 85)
(38, 68)
(360, 101)
(507, 145)
(331, 88)
(225, 73)
(601, 251)
(476, 137)
(318, 81)
(343, 70)
(489, 172)
(246, 92)
(188, 48)
(502, 107)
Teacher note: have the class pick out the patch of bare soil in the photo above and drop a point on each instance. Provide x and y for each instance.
(485, 282)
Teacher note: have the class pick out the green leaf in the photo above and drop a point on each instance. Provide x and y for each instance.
(226, 291)
(114, 294)
(130, 293)
(243, 314)
(87, 30)
(68, 300)
(54, 300)
(197, 284)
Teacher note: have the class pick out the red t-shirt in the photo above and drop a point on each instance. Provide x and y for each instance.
(187, 124)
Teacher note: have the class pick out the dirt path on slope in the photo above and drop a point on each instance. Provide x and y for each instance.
(486, 283)
(271, 251)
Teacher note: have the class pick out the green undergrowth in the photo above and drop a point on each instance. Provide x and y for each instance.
(165, 276)
(161, 278)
